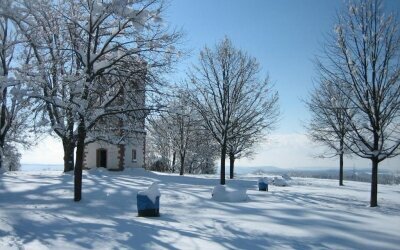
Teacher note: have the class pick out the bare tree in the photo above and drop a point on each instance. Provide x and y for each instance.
(363, 61)
(255, 115)
(232, 100)
(328, 124)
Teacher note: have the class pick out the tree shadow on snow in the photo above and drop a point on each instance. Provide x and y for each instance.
(106, 217)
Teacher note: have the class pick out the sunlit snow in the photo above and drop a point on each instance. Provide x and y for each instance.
(37, 212)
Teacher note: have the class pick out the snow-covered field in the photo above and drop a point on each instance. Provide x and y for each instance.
(37, 212)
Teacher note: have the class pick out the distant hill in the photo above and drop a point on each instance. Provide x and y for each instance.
(41, 167)
(355, 174)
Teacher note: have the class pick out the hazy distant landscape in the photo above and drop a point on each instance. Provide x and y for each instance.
(350, 173)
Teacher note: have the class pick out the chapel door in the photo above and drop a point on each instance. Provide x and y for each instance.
(101, 158)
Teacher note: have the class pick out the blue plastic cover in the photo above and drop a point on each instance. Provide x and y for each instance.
(143, 202)
(262, 185)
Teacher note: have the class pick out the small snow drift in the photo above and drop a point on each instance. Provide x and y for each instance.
(148, 201)
(279, 182)
(228, 194)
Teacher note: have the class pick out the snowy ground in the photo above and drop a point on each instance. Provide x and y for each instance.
(37, 212)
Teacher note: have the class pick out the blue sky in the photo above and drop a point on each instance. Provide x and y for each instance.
(285, 36)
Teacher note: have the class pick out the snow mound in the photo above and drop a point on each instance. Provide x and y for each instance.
(279, 182)
(222, 193)
(152, 192)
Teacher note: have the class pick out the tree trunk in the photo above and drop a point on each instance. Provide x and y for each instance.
(3, 115)
(374, 183)
(191, 167)
(223, 155)
(231, 165)
(80, 147)
(341, 160)
(173, 161)
(1, 154)
(68, 147)
(341, 170)
(182, 165)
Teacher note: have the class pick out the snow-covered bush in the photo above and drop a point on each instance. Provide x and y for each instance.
(227, 194)
(279, 182)
(263, 180)
(160, 165)
(11, 158)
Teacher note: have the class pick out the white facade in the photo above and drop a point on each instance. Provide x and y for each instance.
(115, 157)
(130, 161)
(127, 133)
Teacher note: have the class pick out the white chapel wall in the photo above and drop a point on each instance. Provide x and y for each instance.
(129, 162)
(112, 155)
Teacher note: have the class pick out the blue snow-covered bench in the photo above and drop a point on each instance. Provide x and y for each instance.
(148, 202)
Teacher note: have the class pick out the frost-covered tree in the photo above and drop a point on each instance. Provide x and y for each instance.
(232, 99)
(14, 110)
(202, 153)
(363, 61)
(89, 58)
(50, 69)
(179, 133)
(182, 124)
(328, 124)
(159, 147)
(106, 37)
(12, 158)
